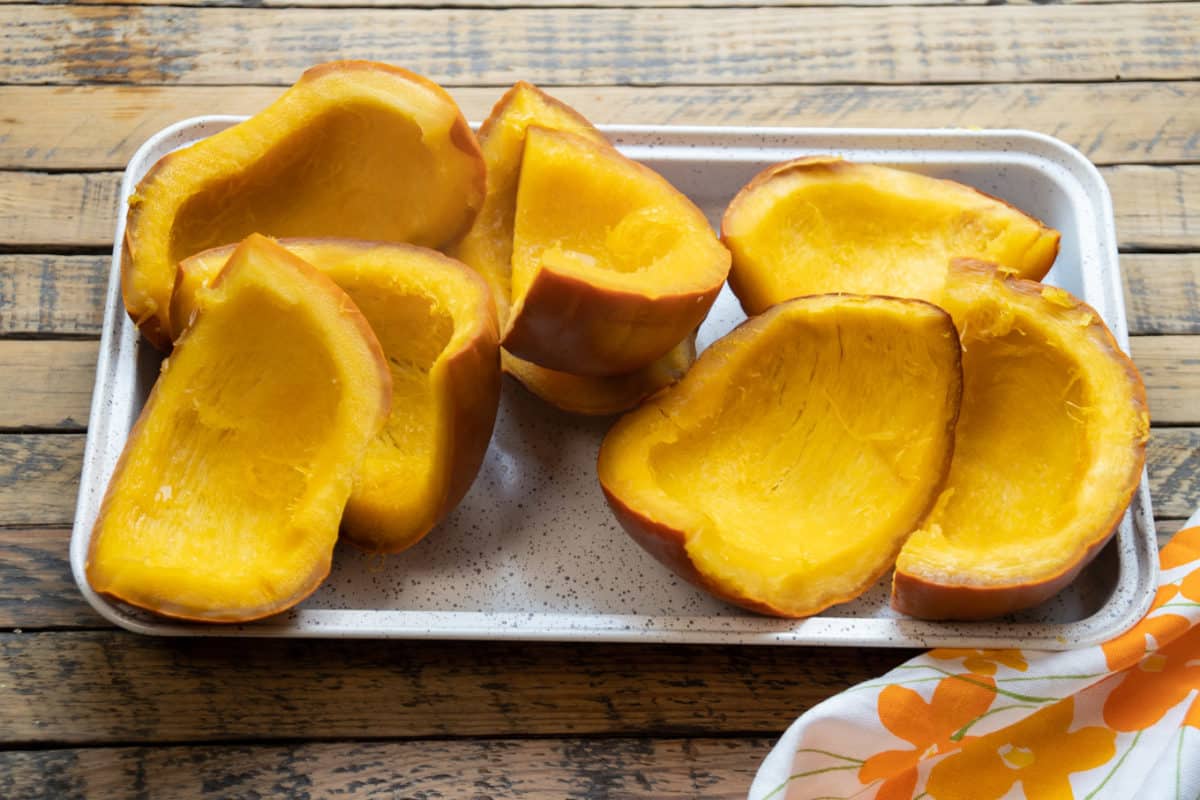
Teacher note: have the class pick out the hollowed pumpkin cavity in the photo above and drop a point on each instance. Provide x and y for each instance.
(225, 503)
(785, 469)
(820, 225)
(611, 267)
(1050, 447)
(435, 321)
(354, 149)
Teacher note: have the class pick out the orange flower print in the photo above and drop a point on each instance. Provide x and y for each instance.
(983, 662)
(1157, 684)
(1036, 752)
(1183, 547)
(1128, 649)
(927, 726)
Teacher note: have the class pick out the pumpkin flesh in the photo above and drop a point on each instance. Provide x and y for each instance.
(225, 503)
(819, 225)
(488, 247)
(612, 266)
(1050, 448)
(785, 469)
(354, 149)
(437, 327)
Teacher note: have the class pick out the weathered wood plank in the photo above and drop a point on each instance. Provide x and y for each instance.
(39, 475)
(1156, 207)
(36, 586)
(105, 686)
(47, 384)
(99, 127)
(149, 44)
(501, 769)
(1162, 292)
(68, 210)
(52, 295)
(39, 478)
(572, 3)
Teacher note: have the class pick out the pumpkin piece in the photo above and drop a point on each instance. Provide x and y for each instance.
(435, 321)
(593, 396)
(1051, 443)
(819, 225)
(487, 248)
(224, 506)
(612, 266)
(784, 471)
(355, 149)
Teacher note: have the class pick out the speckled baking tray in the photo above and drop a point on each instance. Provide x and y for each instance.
(533, 553)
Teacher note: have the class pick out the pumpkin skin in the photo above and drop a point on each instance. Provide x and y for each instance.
(785, 470)
(436, 323)
(488, 249)
(354, 149)
(225, 504)
(612, 266)
(1051, 443)
(817, 225)
(596, 397)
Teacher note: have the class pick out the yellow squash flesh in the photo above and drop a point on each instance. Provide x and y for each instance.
(820, 225)
(784, 471)
(612, 266)
(488, 246)
(1050, 448)
(354, 149)
(225, 504)
(435, 321)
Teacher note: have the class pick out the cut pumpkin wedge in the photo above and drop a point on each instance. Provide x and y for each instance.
(1051, 443)
(354, 149)
(488, 247)
(612, 267)
(818, 225)
(224, 506)
(435, 321)
(785, 470)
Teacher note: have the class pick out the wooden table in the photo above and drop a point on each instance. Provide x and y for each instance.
(86, 710)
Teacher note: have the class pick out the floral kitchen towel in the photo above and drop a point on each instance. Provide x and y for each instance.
(1118, 720)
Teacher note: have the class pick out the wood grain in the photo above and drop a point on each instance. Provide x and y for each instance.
(39, 475)
(39, 478)
(1162, 292)
(54, 295)
(499, 769)
(47, 384)
(1170, 367)
(147, 44)
(1156, 208)
(99, 127)
(111, 686)
(36, 586)
(573, 3)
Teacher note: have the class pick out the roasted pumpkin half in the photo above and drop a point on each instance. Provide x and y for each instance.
(612, 267)
(593, 396)
(488, 248)
(784, 471)
(435, 320)
(818, 225)
(225, 504)
(1050, 447)
(354, 149)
